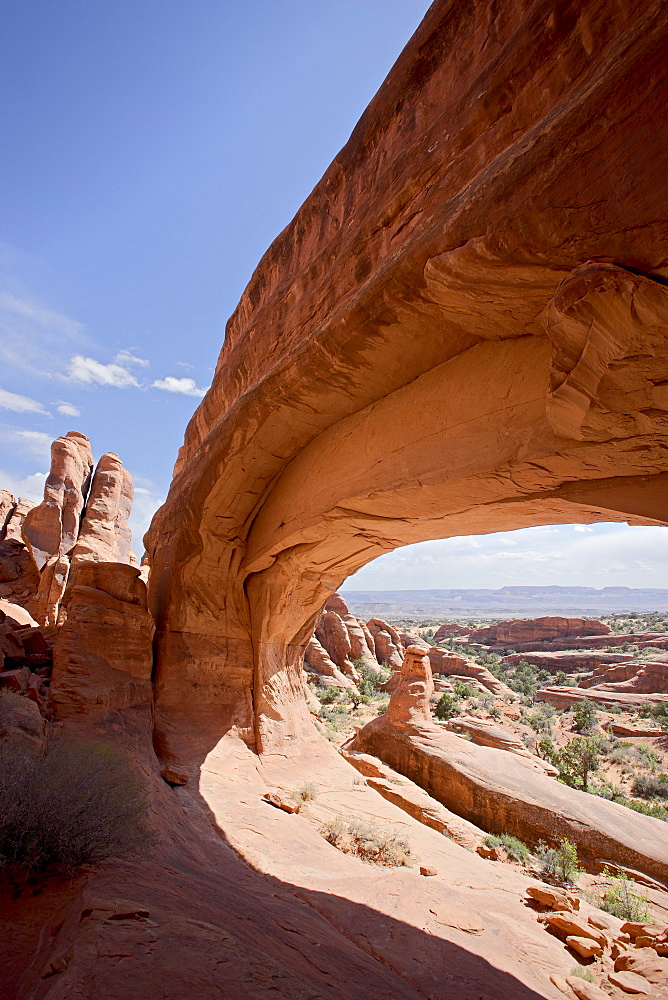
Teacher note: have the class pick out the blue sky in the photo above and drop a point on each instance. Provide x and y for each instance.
(152, 151)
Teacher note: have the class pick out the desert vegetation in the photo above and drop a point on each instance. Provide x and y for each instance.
(67, 806)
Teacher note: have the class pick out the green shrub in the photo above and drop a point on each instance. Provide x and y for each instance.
(620, 899)
(559, 863)
(585, 716)
(462, 690)
(576, 761)
(659, 713)
(72, 805)
(307, 793)
(582, 972)
(648, 787)
(513, 846)
(329, 695)
(447, 707)
(367, 841)
(495, 712)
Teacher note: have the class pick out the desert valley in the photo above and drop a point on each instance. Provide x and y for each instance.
(223, 772)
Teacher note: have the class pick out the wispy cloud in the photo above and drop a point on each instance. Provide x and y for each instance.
(21, 404)
(599, 555)
(31, 487)
(183, 386)
(68, 409)
(92, 372)
(126, 357)
(35, 443)
(33, 337)
(28, 308)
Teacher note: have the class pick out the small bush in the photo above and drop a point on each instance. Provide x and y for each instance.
(582, 972)
(619, 899)
(329, 695)
(72, 805)
(495, 712)
(463, 690)
(367, 842)
(513, 846)
(307, 792)
(447, 707)
(370, 678)
(559, 863)
(648, 787)
(659, 713)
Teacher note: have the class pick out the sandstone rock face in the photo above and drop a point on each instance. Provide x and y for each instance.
(322, 669)
(104, 535)
(387, 643)
(71, 525)
(564, 697)
(449, 630)
(487, 734)
(537, 630)
(103, 654)
(19, 578)
(444, 662)
(333, 635)
(650, 677)
(562, 660)
(501, 792)
(52, 528)
(459, 248)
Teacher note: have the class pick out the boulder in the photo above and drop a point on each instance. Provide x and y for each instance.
(585, 947)
(554, 899)
(629, 982)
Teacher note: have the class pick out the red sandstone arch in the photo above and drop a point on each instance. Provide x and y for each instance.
(464, 329)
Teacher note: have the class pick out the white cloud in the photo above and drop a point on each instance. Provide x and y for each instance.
(31, 487)
(34, 338)
(603, 555)
(31, 442)
(21, 404)
(68, 409)
(92, 372)
(125, 357)
(27, 308)
(184, 386)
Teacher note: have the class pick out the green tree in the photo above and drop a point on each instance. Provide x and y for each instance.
(580, 758)
(447, 707)
(585, 716)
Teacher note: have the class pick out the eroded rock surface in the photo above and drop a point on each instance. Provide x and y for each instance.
(501, 792)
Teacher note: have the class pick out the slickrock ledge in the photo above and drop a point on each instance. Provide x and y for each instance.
(497, 791)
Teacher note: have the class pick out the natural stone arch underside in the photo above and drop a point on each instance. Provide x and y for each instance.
(464, 329)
